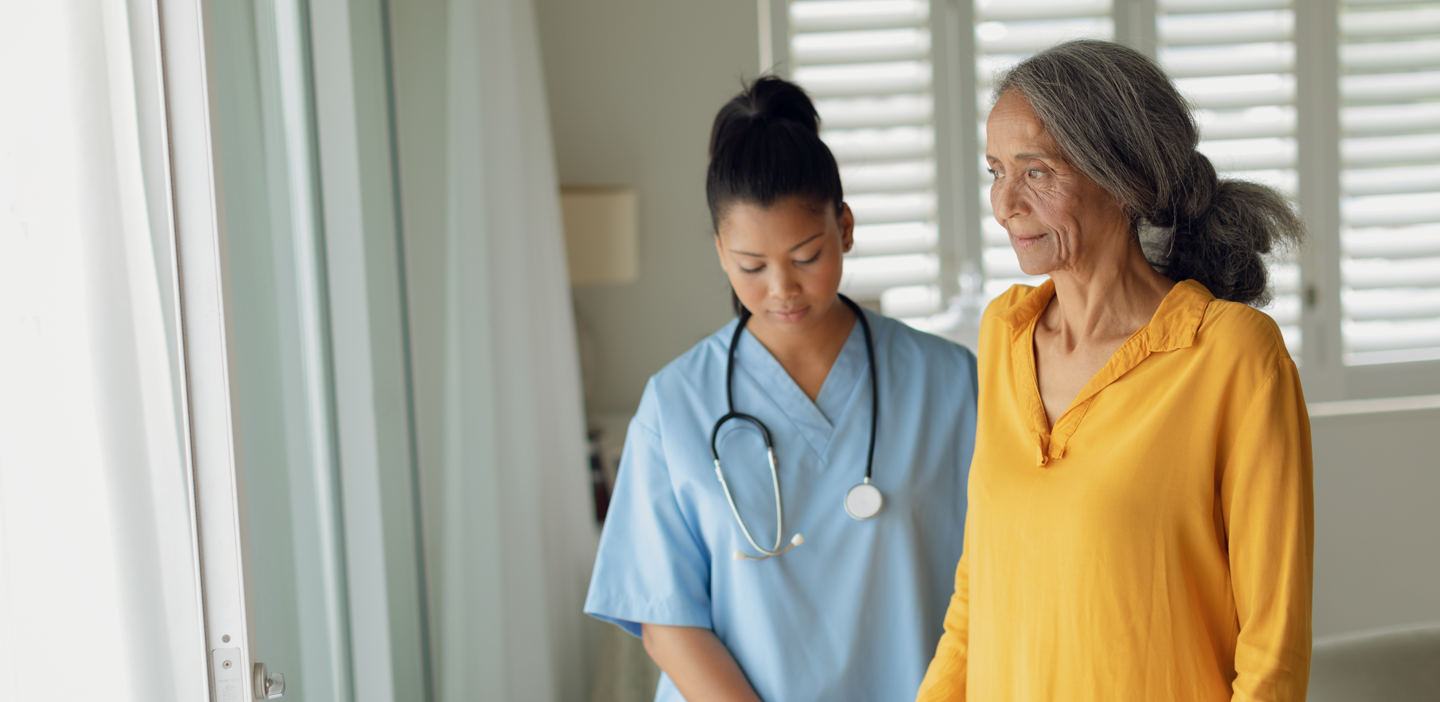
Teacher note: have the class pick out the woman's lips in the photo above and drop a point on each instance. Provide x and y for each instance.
(791, 315)
(1025, 241)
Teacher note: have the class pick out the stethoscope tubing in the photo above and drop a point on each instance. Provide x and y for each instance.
(731, 414)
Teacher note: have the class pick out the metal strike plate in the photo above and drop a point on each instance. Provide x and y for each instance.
(229, 675)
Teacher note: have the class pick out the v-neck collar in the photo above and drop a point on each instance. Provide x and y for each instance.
(814, 420)
(1173, 326)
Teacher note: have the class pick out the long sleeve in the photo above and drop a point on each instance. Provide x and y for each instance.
(1267, 496)
(945, 679)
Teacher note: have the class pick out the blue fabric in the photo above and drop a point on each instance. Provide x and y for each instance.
(856, 611)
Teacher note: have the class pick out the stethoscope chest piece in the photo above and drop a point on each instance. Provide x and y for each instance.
(863, 501)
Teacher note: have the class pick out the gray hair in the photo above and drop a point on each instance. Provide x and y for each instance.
(1120, 121)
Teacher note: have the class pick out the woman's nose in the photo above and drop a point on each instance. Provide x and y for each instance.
(783, 285)
(1004, 200)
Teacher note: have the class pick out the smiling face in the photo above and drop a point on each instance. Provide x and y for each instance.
(784, 261)
(1058, 218)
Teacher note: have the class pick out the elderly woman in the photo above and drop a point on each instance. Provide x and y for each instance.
(1140, 520)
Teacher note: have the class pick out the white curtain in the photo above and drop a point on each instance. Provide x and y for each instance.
(98, 584)
(517, 538)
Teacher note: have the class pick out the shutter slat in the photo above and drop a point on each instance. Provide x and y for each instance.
(889, 209)
(1390, 88)
(1371, 305)
(1390, 151)
(1390, 181)
(1237, 28)
(852, 15)
(1363, 337)
(861, 47)
(1389, 24)
(1391, 210)
(1185, 7)
(868, 277)
(863, 146)
(1000, 11)
(857, 80)
(1036, 38)
(1371, 274)
(888, 178)
(1211, 95)
(893, 239)
(874, 113)
(1389, 119)
(1250, 154)
(1390, 56)
(1414, 242)
(1231, 61)
(1256, 123)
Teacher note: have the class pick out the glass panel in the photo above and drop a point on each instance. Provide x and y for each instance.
(282, 359)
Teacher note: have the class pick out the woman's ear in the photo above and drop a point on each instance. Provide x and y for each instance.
(847, 228)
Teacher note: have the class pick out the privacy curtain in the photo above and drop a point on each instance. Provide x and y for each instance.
(99, 593)
(510, 559)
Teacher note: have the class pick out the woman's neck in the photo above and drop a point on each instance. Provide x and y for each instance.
(1112, 297)
(807, 356)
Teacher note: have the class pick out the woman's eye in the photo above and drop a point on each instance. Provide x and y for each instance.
(812, 259)
(751, 270)
(1036, 174)
(994, 173)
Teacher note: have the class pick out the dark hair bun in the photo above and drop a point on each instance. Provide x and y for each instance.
(768, 98)
(765, 146)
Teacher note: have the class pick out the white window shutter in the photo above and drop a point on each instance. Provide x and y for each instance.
(1235, 62)
(867, 65)
(1390, 180)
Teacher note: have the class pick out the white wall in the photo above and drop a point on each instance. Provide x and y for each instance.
(633, 87)
(1377, 521)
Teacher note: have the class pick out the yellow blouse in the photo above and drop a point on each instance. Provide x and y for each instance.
(1157, 543)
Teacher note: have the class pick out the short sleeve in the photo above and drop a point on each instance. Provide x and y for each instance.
(651, 566)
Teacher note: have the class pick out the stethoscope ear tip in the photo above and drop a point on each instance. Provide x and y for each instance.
(739, 556)
(797, 540)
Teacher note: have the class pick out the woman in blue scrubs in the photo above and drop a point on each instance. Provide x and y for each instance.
(849, 608)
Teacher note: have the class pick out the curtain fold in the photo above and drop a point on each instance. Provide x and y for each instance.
(96, 546)
(517, 539)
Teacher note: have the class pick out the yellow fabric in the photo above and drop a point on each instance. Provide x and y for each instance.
(1158, 543)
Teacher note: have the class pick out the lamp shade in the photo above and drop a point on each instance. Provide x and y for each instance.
(601, 234)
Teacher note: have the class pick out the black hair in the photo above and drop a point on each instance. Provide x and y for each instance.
(765, 146)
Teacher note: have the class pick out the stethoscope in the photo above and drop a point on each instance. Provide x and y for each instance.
(861, 502)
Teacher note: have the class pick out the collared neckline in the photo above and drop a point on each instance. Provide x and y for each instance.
(1173, 326)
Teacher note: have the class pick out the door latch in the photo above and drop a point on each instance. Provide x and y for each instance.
(268, 685)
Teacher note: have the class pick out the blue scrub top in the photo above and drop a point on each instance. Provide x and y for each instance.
(856, 611)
